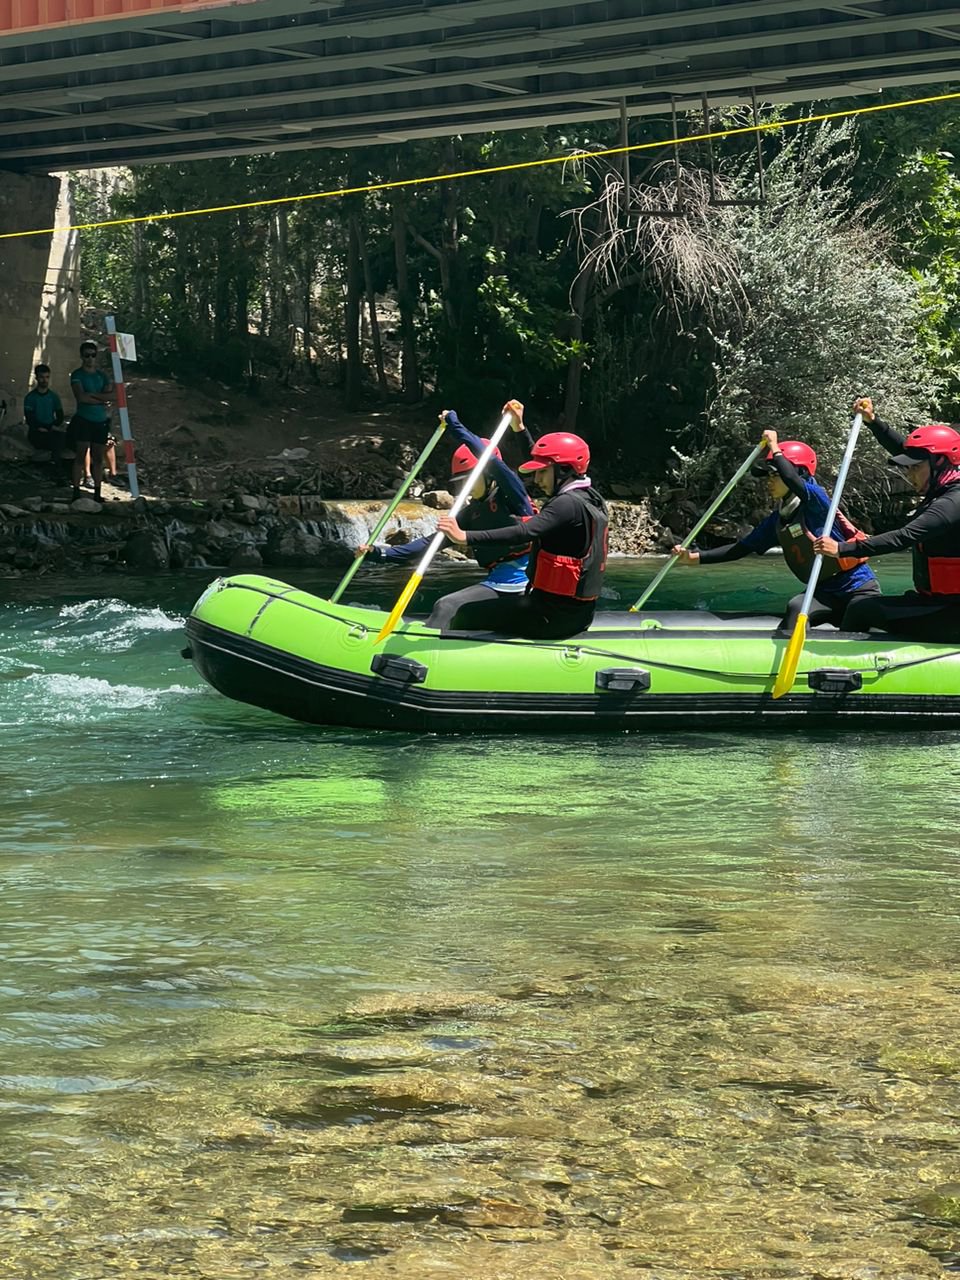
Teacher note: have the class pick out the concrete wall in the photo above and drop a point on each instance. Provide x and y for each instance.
(39, 306)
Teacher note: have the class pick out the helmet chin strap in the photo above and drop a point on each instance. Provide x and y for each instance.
(937, 467)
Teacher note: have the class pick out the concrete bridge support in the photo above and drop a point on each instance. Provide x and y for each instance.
(39, 305)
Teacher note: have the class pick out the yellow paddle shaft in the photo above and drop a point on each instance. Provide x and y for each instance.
(396, 613)
(791, 658)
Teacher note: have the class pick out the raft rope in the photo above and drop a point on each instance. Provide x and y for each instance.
(594, 651)
(572, 157)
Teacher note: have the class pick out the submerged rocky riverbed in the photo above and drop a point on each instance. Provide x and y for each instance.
(685, 1100)
(287, 1001)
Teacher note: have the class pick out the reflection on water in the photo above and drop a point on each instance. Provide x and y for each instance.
(297, 1002)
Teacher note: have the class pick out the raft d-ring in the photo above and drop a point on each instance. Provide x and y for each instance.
(571, 657)
(356, 635)
(882, 661)
(216, 585)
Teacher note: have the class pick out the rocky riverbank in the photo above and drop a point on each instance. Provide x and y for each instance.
(225, 491)
(237, 532)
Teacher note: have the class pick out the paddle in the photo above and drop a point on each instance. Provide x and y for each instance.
(791, 655)
(390, 508)
(707, 515)
(438, 538)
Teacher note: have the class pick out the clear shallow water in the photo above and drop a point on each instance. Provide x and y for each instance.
(290, 1001)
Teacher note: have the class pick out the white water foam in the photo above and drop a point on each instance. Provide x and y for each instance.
(126, 624)
(70, 699)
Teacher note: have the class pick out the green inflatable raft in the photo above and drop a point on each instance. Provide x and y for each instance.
(272, 645)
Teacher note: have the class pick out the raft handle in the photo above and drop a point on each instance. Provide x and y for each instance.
(834, 680)
(402, 670)
(622, 680)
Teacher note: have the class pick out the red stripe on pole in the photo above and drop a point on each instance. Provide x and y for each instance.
(28, 15)
(120, 395)
(112, 339)
(128, 451)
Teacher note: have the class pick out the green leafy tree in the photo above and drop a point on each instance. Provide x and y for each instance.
(820, 313)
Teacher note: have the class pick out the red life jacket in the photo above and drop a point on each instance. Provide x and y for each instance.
(936, 562)
(798, 553)
(943, 576)
(576, 577)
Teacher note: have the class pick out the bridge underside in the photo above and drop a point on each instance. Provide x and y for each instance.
(226, 79)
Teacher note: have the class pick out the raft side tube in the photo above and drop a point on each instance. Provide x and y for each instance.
(266, 643)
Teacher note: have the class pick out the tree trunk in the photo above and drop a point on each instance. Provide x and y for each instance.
(308, 271)
(353, 382)
(222, 287)
(241, 286)
(450, 265)
(532, 229)
(278, 276)
(410, 386)
(579, 298)
(178, 290)
(141, 279)
(371, 309)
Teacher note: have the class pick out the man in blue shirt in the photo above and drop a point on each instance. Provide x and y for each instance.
(44, 414)
(90, 425)
(798, 518)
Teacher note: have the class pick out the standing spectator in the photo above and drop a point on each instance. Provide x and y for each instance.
(90, 426)
(44, 414)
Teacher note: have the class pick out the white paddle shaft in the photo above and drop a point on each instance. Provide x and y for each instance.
(832, 513)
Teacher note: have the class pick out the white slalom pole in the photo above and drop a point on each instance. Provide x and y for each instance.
(124, 416)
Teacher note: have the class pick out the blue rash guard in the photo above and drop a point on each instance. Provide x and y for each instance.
(42, 408)
(95, 382)
(812, 513)
(505, 494)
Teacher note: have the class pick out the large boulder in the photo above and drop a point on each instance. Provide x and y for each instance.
(439, 499)
(14, 446)
(146, 551)
(291, 547)
(245, 557)
(181, 553)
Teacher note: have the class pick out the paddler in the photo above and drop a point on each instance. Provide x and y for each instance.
(497, 497)
(929, 459)
(569, 547)
(797, 520)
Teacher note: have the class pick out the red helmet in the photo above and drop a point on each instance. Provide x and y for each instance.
(929, 443)
(795, 451)
(559, 448)
(800, 454)
(464, 460)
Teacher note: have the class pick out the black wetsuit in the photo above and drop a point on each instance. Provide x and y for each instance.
(933, 533)
(562, 528)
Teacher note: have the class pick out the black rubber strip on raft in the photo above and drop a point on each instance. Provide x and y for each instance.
(251, 672)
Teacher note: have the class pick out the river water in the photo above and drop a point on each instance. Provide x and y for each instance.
(297, 1002)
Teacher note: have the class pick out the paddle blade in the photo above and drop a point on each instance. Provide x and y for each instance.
(791, 659)
(396, 613)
